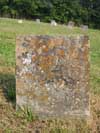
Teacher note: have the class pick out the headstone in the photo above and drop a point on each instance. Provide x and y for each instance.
(84, 27)
(53, 23)
(20, 21)
(71, 24)
(38, 21)
(52, 75)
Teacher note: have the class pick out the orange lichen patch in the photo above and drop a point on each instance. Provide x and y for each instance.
(45, 48)
(34, 58)
(29, 75)
(61, 53)
(33, 42)
(51, 44)
(39, 43)
(73, 53)
(42, 82)
(46, 62)
(59, 41)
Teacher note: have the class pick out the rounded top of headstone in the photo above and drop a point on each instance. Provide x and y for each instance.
(53, 23)
(38, 20)
(20, 21)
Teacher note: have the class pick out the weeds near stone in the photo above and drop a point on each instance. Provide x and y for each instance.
(27, 114)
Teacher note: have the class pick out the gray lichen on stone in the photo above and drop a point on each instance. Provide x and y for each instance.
(52, 75)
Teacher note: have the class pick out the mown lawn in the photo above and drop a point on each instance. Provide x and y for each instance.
(9, 29)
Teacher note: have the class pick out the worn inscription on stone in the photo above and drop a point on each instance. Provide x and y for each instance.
(52, 75)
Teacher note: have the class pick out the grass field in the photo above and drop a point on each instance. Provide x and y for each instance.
(10, 120)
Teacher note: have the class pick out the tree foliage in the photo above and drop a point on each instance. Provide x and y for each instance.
(80, 11)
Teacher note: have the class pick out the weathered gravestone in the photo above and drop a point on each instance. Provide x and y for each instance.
(84, 27)
(52, 75)
(71, 24)
(38, 21)
(20, 21)
(53, 23)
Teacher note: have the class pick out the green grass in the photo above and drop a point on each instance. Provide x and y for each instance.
(27, 114)
(7, 81)
(9, 29)
(23, 121)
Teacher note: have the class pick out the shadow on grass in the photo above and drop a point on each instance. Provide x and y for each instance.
(7, 83)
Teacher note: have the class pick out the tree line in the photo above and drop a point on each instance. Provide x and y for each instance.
(80, 11)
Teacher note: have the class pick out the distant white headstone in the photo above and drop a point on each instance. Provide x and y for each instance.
(71, 24)
(84, 27)
(38, 20)
(20, 21)
(53, 23)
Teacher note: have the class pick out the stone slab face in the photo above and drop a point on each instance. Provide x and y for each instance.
(52, 75)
